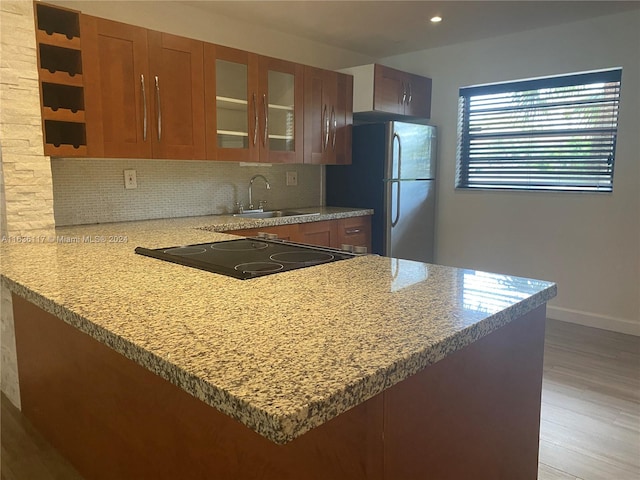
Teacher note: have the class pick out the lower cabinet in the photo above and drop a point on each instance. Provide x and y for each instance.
(284, 232)
(324, 233)
(354, 231)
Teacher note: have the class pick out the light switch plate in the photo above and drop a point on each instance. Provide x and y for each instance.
(292, 179)
(130, 180)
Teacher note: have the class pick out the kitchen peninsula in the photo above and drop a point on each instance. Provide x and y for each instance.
(367, 368)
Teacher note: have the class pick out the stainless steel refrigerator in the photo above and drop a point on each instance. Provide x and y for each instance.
(393, 172)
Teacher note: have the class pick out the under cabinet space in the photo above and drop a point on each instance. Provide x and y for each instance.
(57, 22)
(58, 59)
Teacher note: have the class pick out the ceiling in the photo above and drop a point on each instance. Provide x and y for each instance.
(383, 28)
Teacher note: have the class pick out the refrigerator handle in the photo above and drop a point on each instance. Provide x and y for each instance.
(396, 136)
(394, 222)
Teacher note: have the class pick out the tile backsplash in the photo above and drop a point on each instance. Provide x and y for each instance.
(90, 191)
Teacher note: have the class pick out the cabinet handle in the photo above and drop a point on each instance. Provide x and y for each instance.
(404, 93)
(144, 109)
(255, 119)
(325, 129)
(410, 96)
(159, 108)
(352, 231)
(266, 119)
(335, 127)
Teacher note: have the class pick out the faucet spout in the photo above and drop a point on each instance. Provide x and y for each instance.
(253, 179)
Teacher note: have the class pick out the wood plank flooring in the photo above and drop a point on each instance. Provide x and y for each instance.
(26, 455)
(590, 421)
(590, 428)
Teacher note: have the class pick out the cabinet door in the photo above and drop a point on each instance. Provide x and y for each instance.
(284, 232)
(328, 117)
(418, 102)
(389, 90)
(355, 231)
(343, 120)
(280, 98)
(319, 102)
(176, 66)
(231, 104)
(324, 233)
(117, 89)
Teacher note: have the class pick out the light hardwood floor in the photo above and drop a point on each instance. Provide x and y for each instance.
(590, 422)
(590, 428)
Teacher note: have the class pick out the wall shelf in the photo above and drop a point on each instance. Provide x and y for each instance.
(55, 20)
(61, 80)
(58, 40)
(63, 115)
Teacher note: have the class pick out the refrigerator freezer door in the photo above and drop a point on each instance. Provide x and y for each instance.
(411, 151)
(409, 220)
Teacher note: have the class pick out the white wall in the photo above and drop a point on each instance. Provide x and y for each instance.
(588, 243)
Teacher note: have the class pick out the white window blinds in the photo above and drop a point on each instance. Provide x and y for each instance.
(554, 133)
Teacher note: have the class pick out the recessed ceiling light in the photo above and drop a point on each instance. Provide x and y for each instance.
(436, 19)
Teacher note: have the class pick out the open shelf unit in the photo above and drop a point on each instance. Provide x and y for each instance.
(61, 81)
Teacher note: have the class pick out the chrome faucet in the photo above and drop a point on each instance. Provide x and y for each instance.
(250, 207)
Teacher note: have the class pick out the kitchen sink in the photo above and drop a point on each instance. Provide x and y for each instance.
(275, 213)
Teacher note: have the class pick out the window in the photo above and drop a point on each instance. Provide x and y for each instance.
(553, 133)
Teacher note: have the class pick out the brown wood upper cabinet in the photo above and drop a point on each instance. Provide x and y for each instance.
(328, 116)
(401, 92)
(144, 93)
(386, 92)
(254, 107)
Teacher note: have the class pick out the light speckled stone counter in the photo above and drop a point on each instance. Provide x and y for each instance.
(282, 353)
(223, 223)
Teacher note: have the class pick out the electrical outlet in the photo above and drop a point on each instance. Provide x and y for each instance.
(130, 180)
(292, 179)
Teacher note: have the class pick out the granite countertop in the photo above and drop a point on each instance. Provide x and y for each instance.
(223, 223)
(281, 353)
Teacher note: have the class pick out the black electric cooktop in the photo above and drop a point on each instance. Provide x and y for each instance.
(247, 257)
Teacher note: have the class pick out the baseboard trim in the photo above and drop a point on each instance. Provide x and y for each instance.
(588, 319)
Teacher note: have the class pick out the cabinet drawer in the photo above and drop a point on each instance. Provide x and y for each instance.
(355, 231)
(323, 233)
(284, 232)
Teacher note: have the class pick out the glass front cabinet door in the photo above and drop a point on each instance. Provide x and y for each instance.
(231, 104)
(253, 107)
(282, 96)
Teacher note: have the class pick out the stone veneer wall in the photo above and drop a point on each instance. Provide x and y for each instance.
(27, 193)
